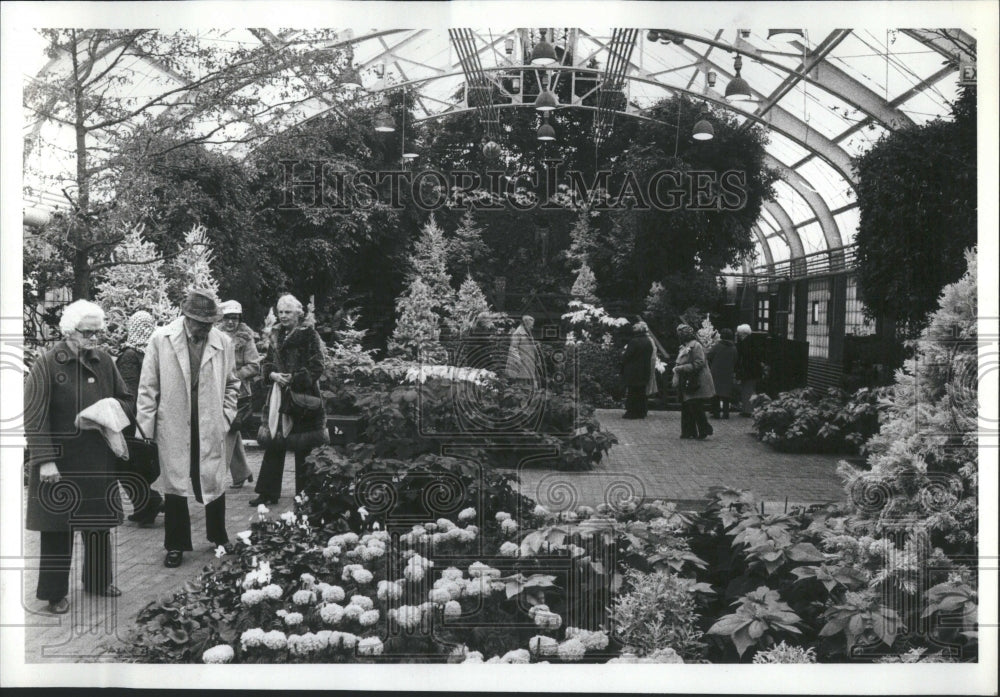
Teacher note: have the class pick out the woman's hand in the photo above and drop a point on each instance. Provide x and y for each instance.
(281, 378)
(49, 473)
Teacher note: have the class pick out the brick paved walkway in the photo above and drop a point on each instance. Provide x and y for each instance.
(649, 461)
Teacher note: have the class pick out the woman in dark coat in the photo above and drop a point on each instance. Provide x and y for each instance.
(722, 361)
(73, 472)
(148, 502)
(247, 366)
(294, 363)
(636, 365)
(691, 362)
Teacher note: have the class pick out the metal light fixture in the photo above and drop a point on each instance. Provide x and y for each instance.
(491, 150)
(351, 79)
(508, 45)
(410, 150)
(711, 76)
(545, 131)
(543, 53)
(384, 123)
(653, 35)
(546, 101)
(738, 89)
(777, 32)
(515, 82)
(703, 130)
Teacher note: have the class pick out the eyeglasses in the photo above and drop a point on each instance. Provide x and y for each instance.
(88, 333)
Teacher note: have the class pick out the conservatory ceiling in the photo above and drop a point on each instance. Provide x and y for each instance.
(824, 96)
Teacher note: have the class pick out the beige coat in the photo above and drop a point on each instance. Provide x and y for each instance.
(163, 407)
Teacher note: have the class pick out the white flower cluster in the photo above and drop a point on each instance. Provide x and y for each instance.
(478, 376)
(289, 517)
(244, 536)
(305, 644)
(508, 527)
(666, 655)
(260, 576)
(389, 590)
(275, 639)
(370, 646)
(501, 516)
(331, 594)
(542, 645)
(223, 653)
(331, 613)
(593, 640)
(510, 549)
(477, 569)
(466, 514)
(293, 619)
(571, 650)
(452, 609)
(416, 567)
(303, 597)
(252, 638)
(358, 573)
(545, 618)
(406, 616)
(252, 597)
(516, 656)
(272, 591)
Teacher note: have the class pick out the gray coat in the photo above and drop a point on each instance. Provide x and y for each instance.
(691, 359)
(722, 361)
(59, 386)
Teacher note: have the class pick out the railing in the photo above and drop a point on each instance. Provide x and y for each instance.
(817, 263)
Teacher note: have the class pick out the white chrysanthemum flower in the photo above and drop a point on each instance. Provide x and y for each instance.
(281, 612)
(323, 638)
(477, 568)
(252, 638)
(541, 511)
(275, 639)
(288, 517)
(273, 591)
(348, 571)
(335, 639)
(466, 536)
(452, 574)
(508, 527)
(542, 645)
(439, 596)
(454, 589)
(516, 656)
(370, 646)
(252, 597)
(331, 613)
(352, 554)
(535, 609)
(473, 657)
(414, 573)
(223, 653)
(331, 554)
(353, 612)
(595, 641)
(308, 579)
(263, 510)
(333, 594)
(495, 659)
(293, 618)
(509, 549)
(303, 597)
(452, 609)
(501, 516)
(375, 551)
(408, 616)
(368, 618)
(362, 576)
(245, 536)
(348, 640)
(571, 650)
(444, 524)
(362, 601)
(345, 539)
(467, 514)
(418, 531)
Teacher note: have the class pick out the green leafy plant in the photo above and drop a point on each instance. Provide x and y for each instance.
(760, 614)
(658, 610)
(862, 618)
(809, 420)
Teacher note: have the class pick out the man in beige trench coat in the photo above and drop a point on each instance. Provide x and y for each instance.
(186, 402)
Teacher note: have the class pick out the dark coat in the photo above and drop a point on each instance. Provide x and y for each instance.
(247, 358)
(637, 360)
(691, 359)
(749, 361)
(129, 364)
(59, 386)
(722, 361)
(299, 353)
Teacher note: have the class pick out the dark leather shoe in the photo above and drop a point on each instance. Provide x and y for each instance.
(59, 607)
(173, 559)
(109, 591)
(256, 501)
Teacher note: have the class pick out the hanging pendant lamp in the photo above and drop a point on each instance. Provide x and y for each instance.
(384, 123)
(703, 130)
(543, 53)
(545, 131)
(738, 89)
(546, 101)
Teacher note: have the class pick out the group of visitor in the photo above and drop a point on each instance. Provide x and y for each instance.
(727, 373)
(185, 387)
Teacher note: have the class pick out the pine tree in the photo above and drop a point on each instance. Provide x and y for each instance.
(191, 268)
(130, 286)
(467, 247)
(430, 266)
(585, 286)
(418, 326)
(348, 353)
(582, 239)
(470, 304)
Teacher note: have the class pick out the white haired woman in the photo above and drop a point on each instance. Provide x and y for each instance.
(637, 364)
(247, 366)
(291, 370)
(749, 367)
(693, 379)
(73, 471)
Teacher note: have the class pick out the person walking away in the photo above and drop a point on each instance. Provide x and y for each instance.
(293, 364)
(523, 364)
(636, 363)
(247, 366)
(186, 402)
(148, 502)
(693, 380)
(722, 361)
(749, 368)
(71, 464)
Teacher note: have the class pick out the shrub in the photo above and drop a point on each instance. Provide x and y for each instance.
(657, 612)
(808, 420)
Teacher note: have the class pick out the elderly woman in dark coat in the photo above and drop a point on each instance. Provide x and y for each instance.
(73, 471)
(148, 501)
(247, 366)
(294, 363)
(637, 365)
(691, 364)
(722, 361)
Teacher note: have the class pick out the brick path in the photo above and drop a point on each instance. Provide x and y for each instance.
(649, 461)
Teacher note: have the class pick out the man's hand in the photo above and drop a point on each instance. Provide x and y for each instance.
(281, 378)
(49, 473)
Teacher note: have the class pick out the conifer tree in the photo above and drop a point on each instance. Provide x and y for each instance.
(430, 266)
(467, 248)
(585, 286)
(470, 304)
(191, 268)
(418, 326)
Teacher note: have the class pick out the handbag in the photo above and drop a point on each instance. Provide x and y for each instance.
(143, 457)
(689, 382)
(244, 407)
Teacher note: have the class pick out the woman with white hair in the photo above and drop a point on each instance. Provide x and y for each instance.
(73, 471)
(749, 368)
(294, 417)
(637, 362)
(693, 380)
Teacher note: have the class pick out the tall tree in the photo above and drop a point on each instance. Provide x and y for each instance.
(418, 326)
(191, 268)
(429, 265)
(193, 89)
(467, 248)
(471, 303)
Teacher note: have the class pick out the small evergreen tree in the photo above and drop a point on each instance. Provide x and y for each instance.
(585, 286)
(191, 268)
(418, 326)
(136, 282)
(582, 239)
(467, 248)
(470, 304)
(430, 266)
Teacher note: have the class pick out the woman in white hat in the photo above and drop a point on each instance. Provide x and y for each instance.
(247, 366)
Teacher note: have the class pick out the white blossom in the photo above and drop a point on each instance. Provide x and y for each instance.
(473, 657)
(303, 597)
(252, 638)
(252, 597)
(263, 510)
(293, 618)
(362, 576)
(288, 517)
(501, 516)
(333, 594)
(542, 645)
(509, 549)
(362, 601)
(368, 618)
(467, 514)
(220, 551)
(452, 609)
(275, 639)
(223, 653)
(370, 646)
(331, 613)
(516, 656)
(571, 650)
(272, 591)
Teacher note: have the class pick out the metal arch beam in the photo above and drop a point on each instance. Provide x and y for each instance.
(831, 231)
(765, 246)
(791, 235)
(940, 43)
(389, 50)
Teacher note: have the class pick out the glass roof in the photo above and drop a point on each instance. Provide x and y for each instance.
(824, 94)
